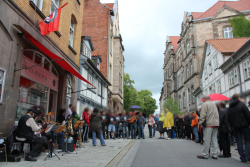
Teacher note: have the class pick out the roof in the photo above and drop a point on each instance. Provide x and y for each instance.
(241, 5)
(109, 5)
(174, 40)
(196, 14)
(227, 45)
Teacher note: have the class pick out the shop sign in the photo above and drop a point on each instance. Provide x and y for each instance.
(2, 81)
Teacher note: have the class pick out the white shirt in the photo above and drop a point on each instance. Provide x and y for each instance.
(68, 112)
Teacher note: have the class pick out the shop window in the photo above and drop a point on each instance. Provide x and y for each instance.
(28, 54)
(38, 58)
(228, 32)
(38, 3)
(54, 5)
(72, 31)
(46, 64)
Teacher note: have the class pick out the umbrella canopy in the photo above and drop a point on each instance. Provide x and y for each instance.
(217, 97)
(135, 107)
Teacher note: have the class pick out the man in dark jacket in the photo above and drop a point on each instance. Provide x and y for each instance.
(224, 130)
(239, 119)
(187, 127)
(141, 121)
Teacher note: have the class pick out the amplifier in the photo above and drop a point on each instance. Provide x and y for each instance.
(70, 145)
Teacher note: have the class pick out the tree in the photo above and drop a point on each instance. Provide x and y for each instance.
(128, 91)
(171, 105)
(240, 26)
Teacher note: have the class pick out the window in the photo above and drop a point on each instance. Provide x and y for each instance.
(246, 66)
(98, 64)
(187, 71)
(39, 4)
(228, 32)
(28, 54)
(205, 72)
(188, 47)
(184, 100)
(215, 62)
(68, 86)
(99, 88)
(54, 5)
(210, 68)
(172, 85)
(193, 97)
(218, 86)
(212, 89)
(38, 58)
(189, 96)
(46, 64)
(180, 101)
(90, 80)
(236, 76)
(95, 84)
(191, 67)
(71, 35)
(177, 64)
(208, 49)
(178, 78)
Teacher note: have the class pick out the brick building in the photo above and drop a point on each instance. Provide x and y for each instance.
(101, 23)
(46, 85)
(196, 28)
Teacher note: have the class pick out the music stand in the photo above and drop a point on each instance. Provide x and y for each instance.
(79, 125)
(50, 149)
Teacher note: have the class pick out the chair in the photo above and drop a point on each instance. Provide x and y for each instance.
(22, 144)
(3, 149)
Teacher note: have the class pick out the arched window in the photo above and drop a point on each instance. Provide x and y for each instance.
(180, 102)
(188, 47)
(184, 100)
(193, 97)
(187, 71)
(228, 32)
(72, 31)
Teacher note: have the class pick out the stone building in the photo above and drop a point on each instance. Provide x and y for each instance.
(101, 22)
(195, 29)
(47, 85)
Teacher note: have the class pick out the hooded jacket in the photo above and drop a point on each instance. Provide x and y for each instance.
(238, 114)
(95, 124)
(169, 120)
(195, 121)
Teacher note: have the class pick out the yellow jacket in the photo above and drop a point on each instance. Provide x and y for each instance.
(169, 120)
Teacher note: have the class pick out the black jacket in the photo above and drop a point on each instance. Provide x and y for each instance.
(180, 122)
(95, 123)
(111, 119)
(123, 120)
(188, 121)
(224, 125)
(238, 114)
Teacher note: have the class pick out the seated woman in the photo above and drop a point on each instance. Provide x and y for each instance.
(61, 120)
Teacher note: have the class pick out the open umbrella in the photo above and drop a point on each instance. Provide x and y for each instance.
(217, 97)
(135, 107)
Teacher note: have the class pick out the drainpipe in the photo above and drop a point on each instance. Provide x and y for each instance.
(197, 56)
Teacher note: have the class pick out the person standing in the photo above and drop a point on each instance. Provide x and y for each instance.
(150, 125)
(224, 130)
(194, 125)
(239, 120)
(187, 123)
(156, 122)
(104, 122)
(111, 120)
(168, 123)
(69, 111)
(85, 118)
(181, 124)
(76, 117)
(141, 122)
(160, 128)
(209, 117)
(133, 126)
(96, 126)
(117, 125)
(124, 122)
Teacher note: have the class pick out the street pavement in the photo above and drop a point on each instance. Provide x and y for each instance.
(173, 153)
(89, 156)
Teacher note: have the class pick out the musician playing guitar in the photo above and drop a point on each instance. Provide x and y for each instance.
(133, 125)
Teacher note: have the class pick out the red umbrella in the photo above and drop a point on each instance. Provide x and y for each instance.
(217, 97)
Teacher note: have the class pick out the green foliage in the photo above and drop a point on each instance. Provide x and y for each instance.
(240, 26)
(172, 106)
(141, 98)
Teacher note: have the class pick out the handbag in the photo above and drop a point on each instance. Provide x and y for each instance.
(204, 124)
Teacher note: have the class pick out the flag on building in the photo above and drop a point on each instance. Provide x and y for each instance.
(51, 23)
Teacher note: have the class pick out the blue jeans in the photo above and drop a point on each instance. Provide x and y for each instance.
(125, 128)
(60, 137)
(117, 129)
(94, 138)
(238, 136)
(195, 131)
(141, 131)
(133, 130)
(150, 130)
(154, 128)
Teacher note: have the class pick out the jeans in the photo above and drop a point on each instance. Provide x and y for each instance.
(238, 133)
(125, 128)
(133, 131)
(154, 128)
(85, 133)
(117, 129)
(94, 138)
(195, 130)
(141, 131)
(150, 130)
(60, 137)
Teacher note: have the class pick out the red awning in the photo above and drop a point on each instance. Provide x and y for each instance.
(64, 64)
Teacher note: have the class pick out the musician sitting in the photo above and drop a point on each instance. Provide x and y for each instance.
(25, 132)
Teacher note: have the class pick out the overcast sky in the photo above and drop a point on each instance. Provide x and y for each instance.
(144, 25)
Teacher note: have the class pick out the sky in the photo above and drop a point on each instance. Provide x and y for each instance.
(144, 25)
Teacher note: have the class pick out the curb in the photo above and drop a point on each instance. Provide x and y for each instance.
(121, 154)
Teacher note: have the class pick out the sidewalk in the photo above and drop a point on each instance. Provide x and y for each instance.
(89, 156)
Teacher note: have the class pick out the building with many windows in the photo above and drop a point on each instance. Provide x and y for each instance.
(196, 28)
(216, 53)
(28, 74)
(90, 69)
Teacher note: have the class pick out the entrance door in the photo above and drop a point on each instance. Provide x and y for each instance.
(52, 104)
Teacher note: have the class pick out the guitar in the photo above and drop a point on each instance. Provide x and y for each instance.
(132, 120)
